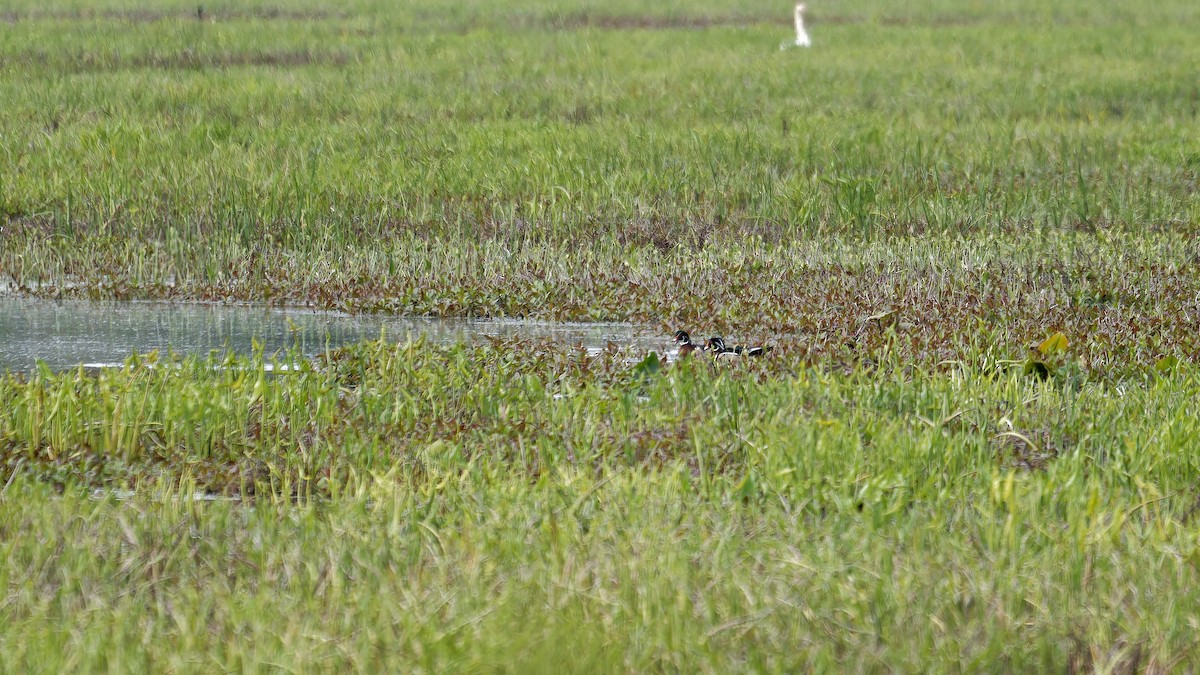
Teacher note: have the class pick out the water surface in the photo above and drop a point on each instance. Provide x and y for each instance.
(66, 334)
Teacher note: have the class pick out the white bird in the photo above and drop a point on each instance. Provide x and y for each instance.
(801, 34)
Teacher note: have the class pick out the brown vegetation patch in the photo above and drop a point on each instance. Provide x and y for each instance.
(182, 60)
(648, 22)
(1026, 449)
(583, 20)
(941, 21)
(1193, 510)
(934, 21)
(20, 225)
(200, 13)
(291, 58)
(1113, 319)
(1121, 659)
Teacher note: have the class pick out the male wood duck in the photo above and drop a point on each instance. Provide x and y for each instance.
(685, 343)
(718, 348)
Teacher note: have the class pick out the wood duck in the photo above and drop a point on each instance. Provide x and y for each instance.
(718, 348)
(685, 343)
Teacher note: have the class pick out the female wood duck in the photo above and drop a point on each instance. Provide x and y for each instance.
(685, 343)
(718, 348)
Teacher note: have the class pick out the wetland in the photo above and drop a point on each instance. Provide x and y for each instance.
(967, 230)
(65, 334)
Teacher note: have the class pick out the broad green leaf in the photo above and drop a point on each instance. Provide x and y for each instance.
(1166, 364)
(649, 365)
(1054, 344)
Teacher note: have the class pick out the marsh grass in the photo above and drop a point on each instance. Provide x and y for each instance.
(976, 127)
(615, 163)
(471, 507)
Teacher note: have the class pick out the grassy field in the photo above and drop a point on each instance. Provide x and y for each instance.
(905, 212)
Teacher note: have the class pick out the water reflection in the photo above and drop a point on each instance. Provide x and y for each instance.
(66, 334)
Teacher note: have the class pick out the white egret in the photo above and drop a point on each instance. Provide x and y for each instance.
(801, 34)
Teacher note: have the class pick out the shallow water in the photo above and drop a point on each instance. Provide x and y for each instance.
(97, 334)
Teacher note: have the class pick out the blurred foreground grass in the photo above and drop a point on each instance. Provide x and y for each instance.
(488, 509)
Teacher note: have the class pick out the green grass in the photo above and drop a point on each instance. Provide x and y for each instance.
(902, 211)
(477, 509)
